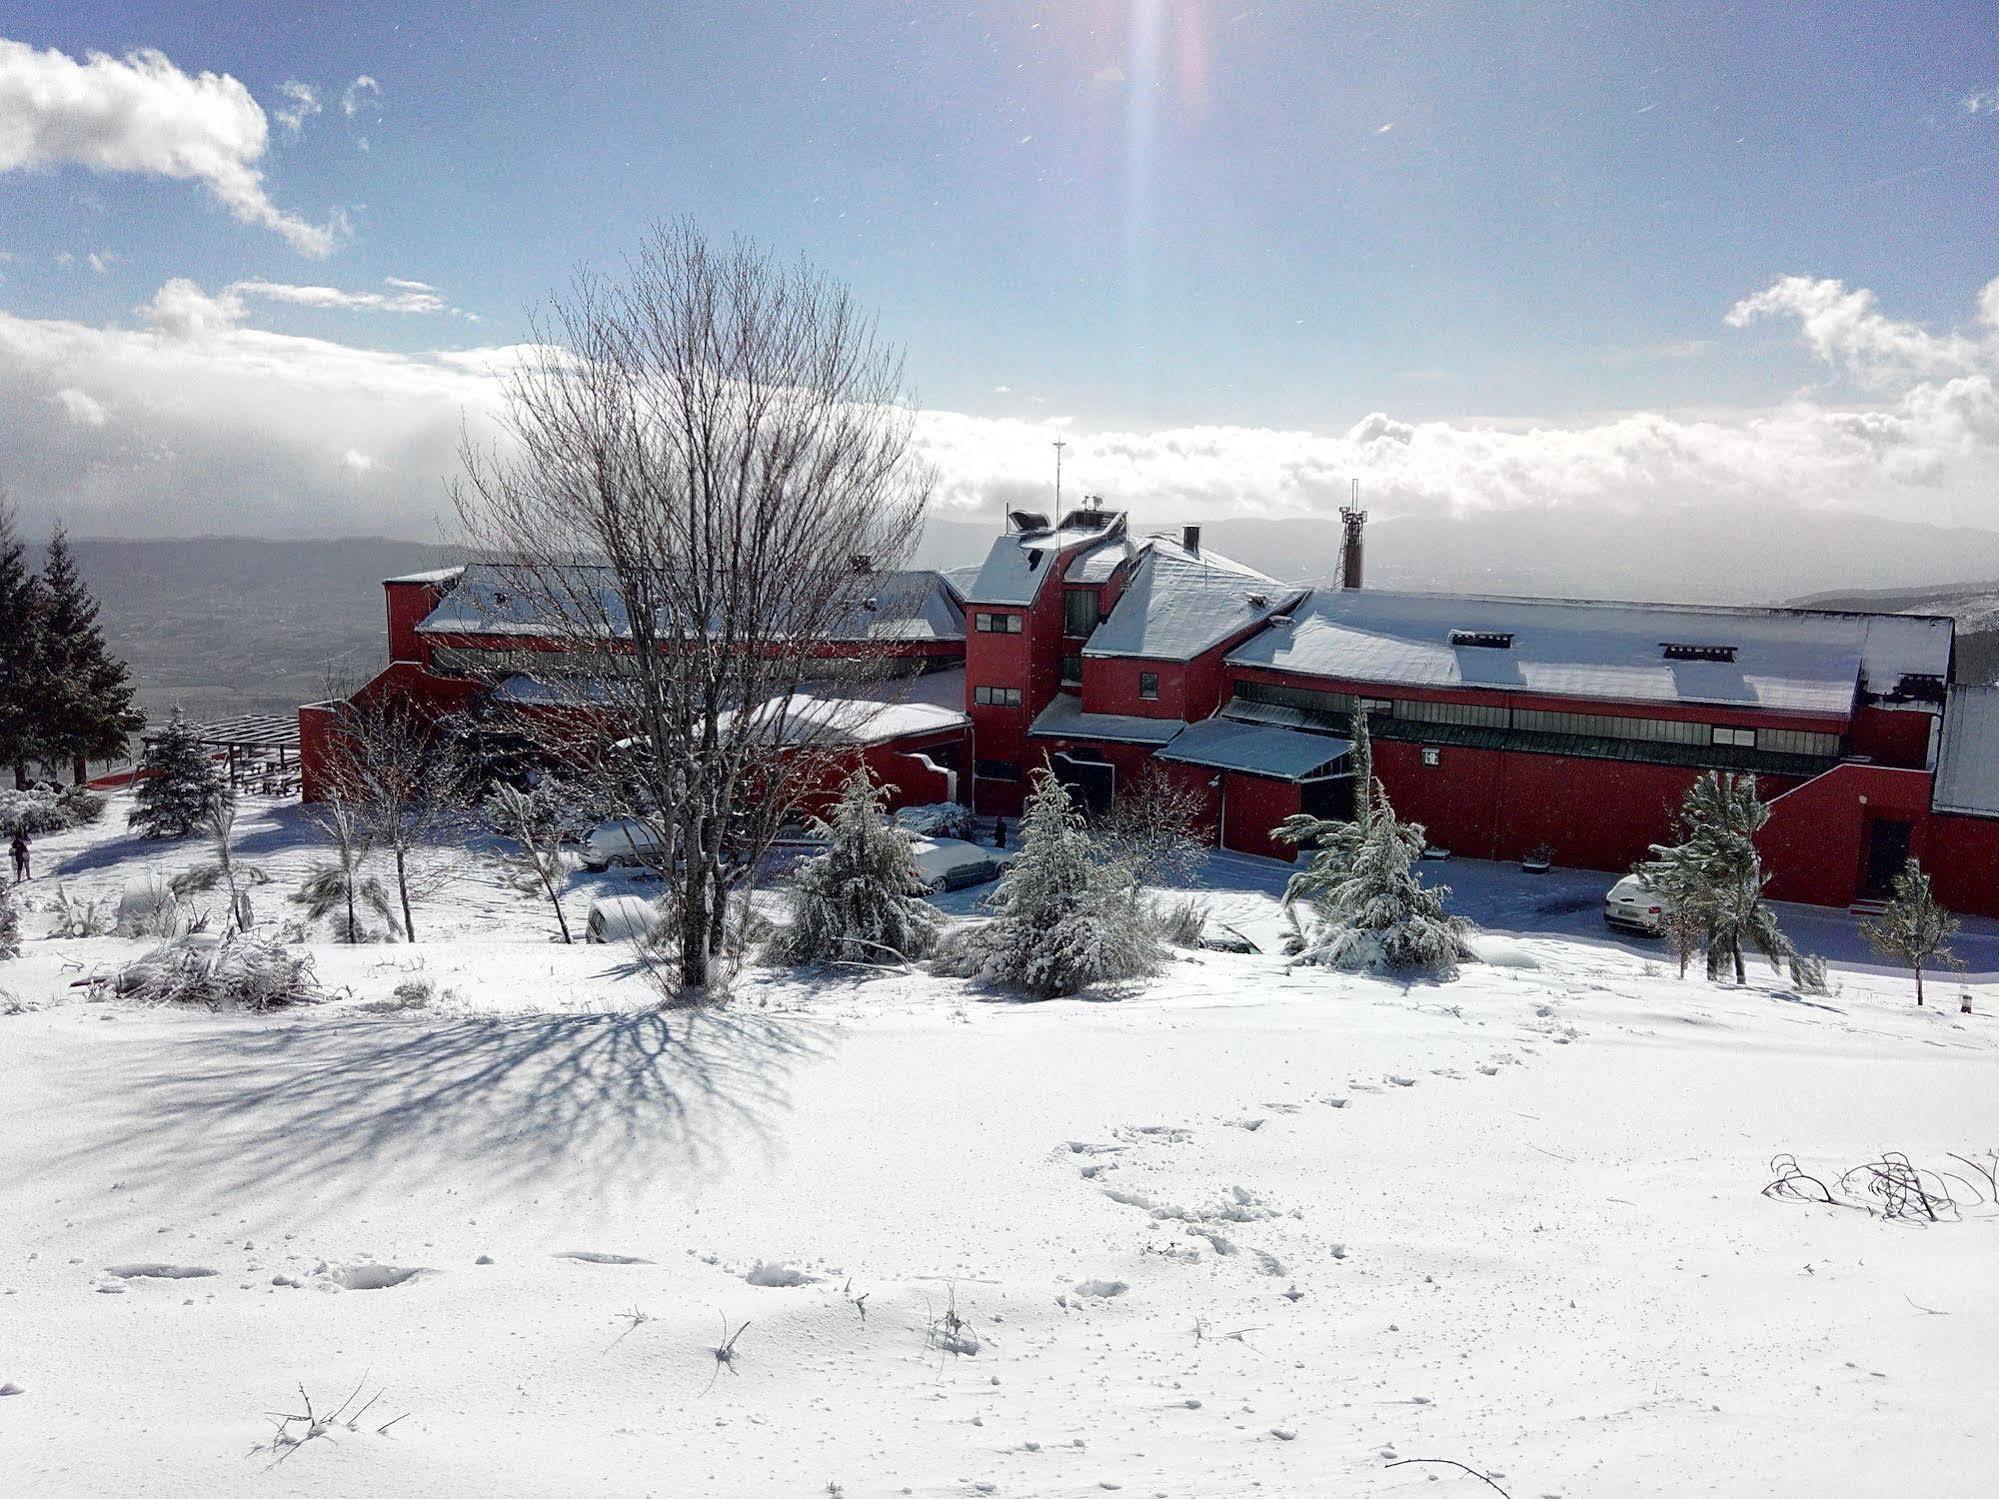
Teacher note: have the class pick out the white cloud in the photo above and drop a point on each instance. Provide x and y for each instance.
(362, 94)
(222, 426)
(1848, 331)
(301, 104)
(80, 408)
(402, 285)
(101, 261)
(140, 113)
(403, 296)
(1984, 102)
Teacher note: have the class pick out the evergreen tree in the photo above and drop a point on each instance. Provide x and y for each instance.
(859, 901)
(1374, 913)
(1063, 916)
(10, 924)
(177, 786)
(1334, 838)
(88, 713)
(23, 690)
(1714, 874)
(1914, 929)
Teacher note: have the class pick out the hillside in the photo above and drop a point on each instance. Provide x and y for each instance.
(1975, 607)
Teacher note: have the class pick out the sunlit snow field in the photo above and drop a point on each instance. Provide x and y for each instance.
(1242, 1230)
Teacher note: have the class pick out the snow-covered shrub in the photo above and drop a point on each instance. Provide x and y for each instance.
(82, 807)
(149, 907)
(1372, 911)
(937, 820)
(534, 820)
(343, 898)
(10, 924)
(1065, 914)
(1914, 928)
(1153, 827)
(31, 812)
(79, 918)
(860, 900)
(1808, 974)
(177, 784)
(239, 973)
(1182, 923)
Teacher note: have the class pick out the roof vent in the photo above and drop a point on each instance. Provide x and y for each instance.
(1190, 539)
(1027, 520)
(1280, 621)
(1492, 640)
(1678, 651)
(1259, 601)
(1920, 687)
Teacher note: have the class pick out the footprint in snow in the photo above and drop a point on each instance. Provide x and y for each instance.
(1401, 1081)
(160, 1272)
(599, 1257)
(1102, 1288)
(375, 1277)
(779, 1274)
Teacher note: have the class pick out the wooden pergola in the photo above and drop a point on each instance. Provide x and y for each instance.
(257, 745)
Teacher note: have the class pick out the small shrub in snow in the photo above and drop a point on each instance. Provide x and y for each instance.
(79, 918)
(1065, 915)
(240, 973)
(1182, 923)
(1914, 929)
(1154, 827)
(10, 924)
(533, 819)
(859, 901)
(82, 807)
(937, 820)
(1808, 974)
(148, 907)
(32, 813)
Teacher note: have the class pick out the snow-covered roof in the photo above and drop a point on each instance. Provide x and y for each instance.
(1903, 645)
(1099, 562)
(1283, 754)
(1783, 660)
(848, 720)
(434, 575)
(1968, 759)
(1181, 603)
(1013, 568)
(1064, 718)
(501, 599)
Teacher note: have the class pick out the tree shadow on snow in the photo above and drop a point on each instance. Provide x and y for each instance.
(614, 1099)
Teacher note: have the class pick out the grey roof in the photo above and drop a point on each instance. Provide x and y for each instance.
(1064, 718)
(433, 575)
(1785, 660)
(1099, 562)
(1968, 759)
(504, 599)
(1013, 567)
(1181, 603)
(1283, 754)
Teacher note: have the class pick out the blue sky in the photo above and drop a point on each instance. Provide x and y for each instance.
(1140, 217)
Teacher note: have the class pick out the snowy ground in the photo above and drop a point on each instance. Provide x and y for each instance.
(1245, 1231)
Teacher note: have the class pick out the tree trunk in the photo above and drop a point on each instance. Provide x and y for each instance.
(20, 775)
(403, 890)
(80, 767)
(1735, 952)
(1919, 985)
(350, 910)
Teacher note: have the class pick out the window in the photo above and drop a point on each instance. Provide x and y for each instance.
(1148, 686)
(1475, 714)
(1375, 705)
(1432, 755)
(1610, 726)
(1739, 738)
(1072, 669)
(1079, 611)
(1491, 640)
(999, 624)
(997, 697)
(996, 770)
(1797, 742)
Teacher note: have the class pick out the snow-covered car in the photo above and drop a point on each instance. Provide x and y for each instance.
(1633, 908)
(953, 864)
(621, 840)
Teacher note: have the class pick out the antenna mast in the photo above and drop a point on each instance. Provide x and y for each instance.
(1059, 446)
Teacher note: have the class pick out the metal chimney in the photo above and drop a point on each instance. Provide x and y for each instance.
(1352, 519)
(1190, 538)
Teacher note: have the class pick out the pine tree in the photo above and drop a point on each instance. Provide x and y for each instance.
(88, 713)
(858, 901)
(177, 785)
(1063, 916)
(1374, 913)
(1914, 928)
(10, 924)
(23, 690)
(1715, 876)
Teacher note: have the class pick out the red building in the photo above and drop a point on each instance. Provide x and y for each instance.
(1500, 724)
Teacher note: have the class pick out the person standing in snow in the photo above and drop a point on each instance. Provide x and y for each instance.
(19, 849)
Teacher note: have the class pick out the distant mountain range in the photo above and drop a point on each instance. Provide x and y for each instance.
(224, 625)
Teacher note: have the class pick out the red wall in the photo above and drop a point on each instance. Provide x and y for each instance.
(1251, 807)
(408, 603)
(1893, 736)
(1110, 685)
(1815, 843)
(1961, 855)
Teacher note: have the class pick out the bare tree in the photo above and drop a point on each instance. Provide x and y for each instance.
(1154, 826)
(710, 462)
(407, 784)
(529, 818)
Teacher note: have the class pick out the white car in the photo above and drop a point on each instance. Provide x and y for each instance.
(953, 864)
(1633, 908)
(621, 840)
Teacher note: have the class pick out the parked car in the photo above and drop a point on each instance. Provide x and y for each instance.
(1630, 907)
(953, 864)
(621, 840)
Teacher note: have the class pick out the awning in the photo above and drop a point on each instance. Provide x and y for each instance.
(1255, 749)
(1064, 718)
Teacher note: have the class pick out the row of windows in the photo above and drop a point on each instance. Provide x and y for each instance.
(997, 697)
(999, 624)
(1335, 707)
